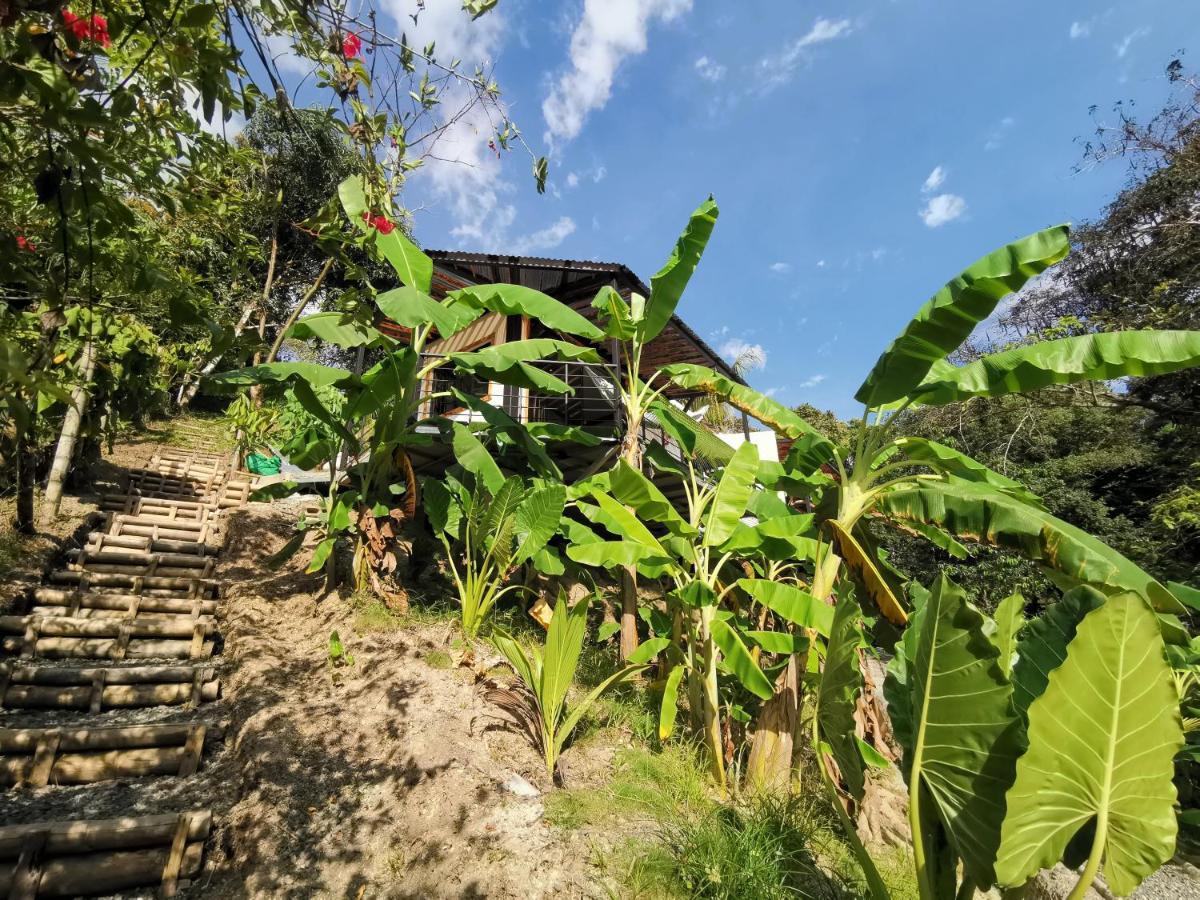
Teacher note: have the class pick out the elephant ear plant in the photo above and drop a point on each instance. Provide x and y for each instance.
(382, 417)
(539, 703)
(1067, 755)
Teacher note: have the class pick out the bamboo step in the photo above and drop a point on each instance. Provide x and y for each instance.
(42, 756)
(128, 604)
(141, 562)
(64, 859)
(139, 584)
(145, 543)
(98, 688)
(68, 626)
(135, 504)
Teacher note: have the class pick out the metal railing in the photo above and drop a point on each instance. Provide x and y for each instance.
(592, 402)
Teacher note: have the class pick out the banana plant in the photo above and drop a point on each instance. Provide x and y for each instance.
(488, 524)
(1062, 752)
(382, 417)
(631, 326)
(539, 705)
(696, 554)
(925, 487)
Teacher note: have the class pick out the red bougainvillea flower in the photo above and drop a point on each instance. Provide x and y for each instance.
(382, 224)
(99, 29)
(351, 45)
(95, 28)
(26, 244)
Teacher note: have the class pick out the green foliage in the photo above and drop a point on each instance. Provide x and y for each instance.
(547, 675)
(251, 427)
(1102, 739)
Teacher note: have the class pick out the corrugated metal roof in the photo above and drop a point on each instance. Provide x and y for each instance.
(551, 275)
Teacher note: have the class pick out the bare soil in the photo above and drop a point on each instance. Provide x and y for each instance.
(384, 778)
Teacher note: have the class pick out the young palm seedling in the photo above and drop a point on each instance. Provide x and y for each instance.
(539, 703)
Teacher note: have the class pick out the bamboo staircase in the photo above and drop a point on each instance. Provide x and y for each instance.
(131, 620)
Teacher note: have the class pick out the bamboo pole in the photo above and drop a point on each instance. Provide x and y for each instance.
(114, 696)
(70, 626)
(103, 834)
(154, 582)
(89, 768)
(52, 597)
(105, 648)
(99, 873)
(121, 737)
(54, 675)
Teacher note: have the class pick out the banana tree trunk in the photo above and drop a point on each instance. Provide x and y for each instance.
(632, 453)
(769, 766)
(72, 421)
(711, 699)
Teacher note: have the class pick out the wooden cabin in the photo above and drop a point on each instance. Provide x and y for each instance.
(593, 406)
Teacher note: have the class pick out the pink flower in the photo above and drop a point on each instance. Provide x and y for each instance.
(351, 45)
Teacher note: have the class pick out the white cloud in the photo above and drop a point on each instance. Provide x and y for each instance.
(781, 268)
(461, 174)
(777, 70)
(1137, 34)
(820, 263)
(286, 59)
(997, 133)
(942, 209)
(812, 381)
(597, 175)
(878, 253)
(1080, 29)
(934, 181)
(609, 31)
(546, 239)
(709, 70)
(753, 356)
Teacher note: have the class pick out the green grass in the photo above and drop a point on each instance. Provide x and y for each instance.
(439, 659)
(694, 846)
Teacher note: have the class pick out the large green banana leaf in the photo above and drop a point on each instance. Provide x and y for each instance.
(1088, 357)
(668, 283)
(1102, 742)
(610, 554)
(953, 715)
(732, 495)
(336, 328)
(509, 431)
(614, 312)
(948, 318)
(688, 433)
(796, 606)
(637, 491)
(470, 453)
(518, 300)
(949, 461)
(411, 308)
(1043, 644)
(738, 660)
(509, 363)
(413, 267)
(770, 412)
(979, 513)
(841, 682)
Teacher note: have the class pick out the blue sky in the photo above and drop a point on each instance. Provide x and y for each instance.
(861, 153)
